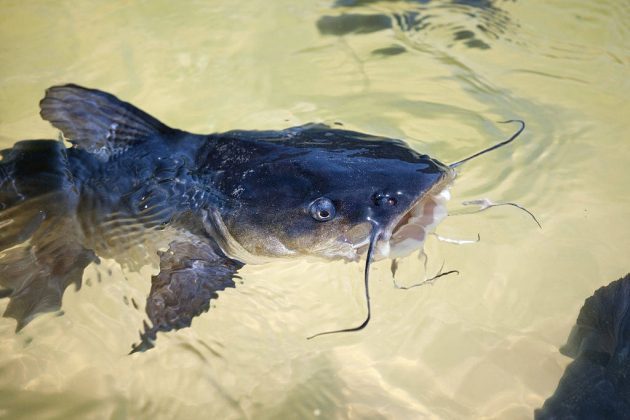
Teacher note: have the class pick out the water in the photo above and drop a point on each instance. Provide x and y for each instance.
(483, 344)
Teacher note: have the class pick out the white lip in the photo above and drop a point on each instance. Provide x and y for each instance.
(402, 239)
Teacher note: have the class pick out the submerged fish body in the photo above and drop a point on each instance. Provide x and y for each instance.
(130, 188)
(596, 385)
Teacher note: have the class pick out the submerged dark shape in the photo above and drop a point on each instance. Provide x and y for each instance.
(473, 23)
(596, 385)
(132, 188)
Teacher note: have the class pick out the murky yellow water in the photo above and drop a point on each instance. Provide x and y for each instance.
(483, 344)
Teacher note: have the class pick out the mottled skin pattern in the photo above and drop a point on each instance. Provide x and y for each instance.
(132, 189)
(596, 385)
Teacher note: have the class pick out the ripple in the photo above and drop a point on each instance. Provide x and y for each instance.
(470, 23)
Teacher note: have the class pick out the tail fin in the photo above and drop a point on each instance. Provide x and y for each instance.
(97, 121)
(41, 251)
(28, 171)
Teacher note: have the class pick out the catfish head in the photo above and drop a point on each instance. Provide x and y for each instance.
(314, 190)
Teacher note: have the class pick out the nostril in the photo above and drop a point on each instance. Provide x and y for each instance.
(381, 199)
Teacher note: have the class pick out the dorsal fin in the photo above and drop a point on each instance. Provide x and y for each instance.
(97, 121)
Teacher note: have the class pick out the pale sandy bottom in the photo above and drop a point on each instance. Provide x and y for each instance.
(481, 344)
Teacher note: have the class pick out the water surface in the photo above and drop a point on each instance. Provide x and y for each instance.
(483, 344)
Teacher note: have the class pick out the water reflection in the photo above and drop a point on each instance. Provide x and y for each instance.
(471, 23)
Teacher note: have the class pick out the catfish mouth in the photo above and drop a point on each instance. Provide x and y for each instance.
(408, 232)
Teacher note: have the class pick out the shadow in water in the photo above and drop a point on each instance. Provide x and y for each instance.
(315, 394)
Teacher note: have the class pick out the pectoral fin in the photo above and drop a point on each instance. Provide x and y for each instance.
(191, 273)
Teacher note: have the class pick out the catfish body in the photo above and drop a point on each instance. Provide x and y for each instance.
(131, 188)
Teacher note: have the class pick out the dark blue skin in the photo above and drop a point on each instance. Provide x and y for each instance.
(206, 203)
(284, 171)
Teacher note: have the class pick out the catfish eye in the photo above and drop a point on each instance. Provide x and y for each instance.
(322, 209)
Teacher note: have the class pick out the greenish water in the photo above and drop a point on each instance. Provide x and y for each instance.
(439, 74)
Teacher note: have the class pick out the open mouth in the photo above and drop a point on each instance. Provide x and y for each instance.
(409, 232)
